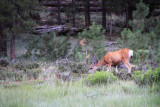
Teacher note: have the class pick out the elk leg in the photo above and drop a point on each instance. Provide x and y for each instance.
(127, 65)
(116, 69)
(108, 67)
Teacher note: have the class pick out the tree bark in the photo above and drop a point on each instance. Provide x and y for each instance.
(12, 48)
(111, 25)
(127, 17)
(111, 18)
(104, 14)
(59, 12)
(3, 44)
(87, 14)
(73, 7)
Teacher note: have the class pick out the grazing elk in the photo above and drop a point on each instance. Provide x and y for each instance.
(114, 58)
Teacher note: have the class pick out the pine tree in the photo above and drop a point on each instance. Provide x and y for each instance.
(15, 19)
(144, 37)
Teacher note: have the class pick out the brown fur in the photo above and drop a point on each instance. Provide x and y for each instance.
(82, 42)
(114, 58)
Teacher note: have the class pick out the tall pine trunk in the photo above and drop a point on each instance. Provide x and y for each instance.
(3, 44)
(73, 7)
(104, 14)
(12, 48)
(127, 17)
(12, 45)
(87, 14)
(59, 12)
(111, 23)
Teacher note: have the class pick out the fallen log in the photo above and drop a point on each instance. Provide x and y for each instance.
(59, 29)
(78, 9)
(69, 3)
(110, 43)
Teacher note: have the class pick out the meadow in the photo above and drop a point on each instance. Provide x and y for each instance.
(56, 93)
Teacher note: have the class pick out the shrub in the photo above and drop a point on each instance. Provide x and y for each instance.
(4, 62)
(23, 66)
(69, 66)
(138, 77)
(100, 77)
(149, 77)
(11, 75)
(49, 46)
(20, 71)
(94, 42)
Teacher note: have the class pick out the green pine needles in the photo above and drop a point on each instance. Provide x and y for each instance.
(49, 47)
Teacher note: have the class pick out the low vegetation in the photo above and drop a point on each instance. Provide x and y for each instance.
(147, 78)
(57, 93)
(100, 78)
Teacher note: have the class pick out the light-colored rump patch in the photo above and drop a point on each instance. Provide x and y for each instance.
(130, 53)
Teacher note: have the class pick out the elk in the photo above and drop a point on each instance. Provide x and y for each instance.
(82, 42)
(114, 59)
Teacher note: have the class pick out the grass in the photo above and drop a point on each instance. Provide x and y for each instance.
(77, 94)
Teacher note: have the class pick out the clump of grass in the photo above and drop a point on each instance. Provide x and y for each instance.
(100, 77)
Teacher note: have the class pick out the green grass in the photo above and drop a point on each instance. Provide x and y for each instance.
(77, 94)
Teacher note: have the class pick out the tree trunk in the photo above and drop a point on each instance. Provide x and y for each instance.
(87, 14)
(59, 12)
(3, 45)
(104, 14)
(12, 48)
(111, 25)
(110, 31)
(73, 7)
(127, 17)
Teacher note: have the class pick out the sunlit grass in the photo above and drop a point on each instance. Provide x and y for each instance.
(77, 94)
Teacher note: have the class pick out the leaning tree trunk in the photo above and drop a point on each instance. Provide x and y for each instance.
(59, 12)
(104, 14)
(87, 14)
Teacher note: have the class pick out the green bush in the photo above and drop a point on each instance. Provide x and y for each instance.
(49, 47)
(138, 77)
(149, 77)
(23, 66)
(69, 66)
(95, 38)
(20, 71)
(100, 77)
(11, 75)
